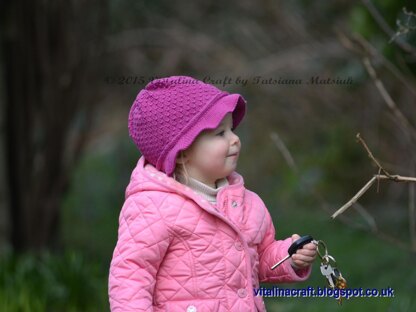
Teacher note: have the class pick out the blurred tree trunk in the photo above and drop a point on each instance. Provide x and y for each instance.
(47, 54)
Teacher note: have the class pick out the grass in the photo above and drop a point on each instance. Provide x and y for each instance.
(67, 282)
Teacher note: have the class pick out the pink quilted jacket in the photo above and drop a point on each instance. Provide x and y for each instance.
(177, 252)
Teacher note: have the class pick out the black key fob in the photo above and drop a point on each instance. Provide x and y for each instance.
(299, 243)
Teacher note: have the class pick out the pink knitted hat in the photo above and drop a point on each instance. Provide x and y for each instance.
(169, 113)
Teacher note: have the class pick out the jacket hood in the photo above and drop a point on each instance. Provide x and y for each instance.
(145, 177)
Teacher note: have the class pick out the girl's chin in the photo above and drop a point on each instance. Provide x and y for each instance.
(224, 171)
(230, 170)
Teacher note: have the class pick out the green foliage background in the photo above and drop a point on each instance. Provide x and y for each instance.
(327, 158)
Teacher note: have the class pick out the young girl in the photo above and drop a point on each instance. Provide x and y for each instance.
(191, 236)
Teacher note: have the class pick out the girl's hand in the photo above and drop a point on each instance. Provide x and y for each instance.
(303, 257)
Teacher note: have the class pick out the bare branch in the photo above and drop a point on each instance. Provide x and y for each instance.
(407, 27)
(359, 208)
(395, 178)
(284, 150)
(355, 198)
(378, 17)
(358, 136)
(360, 45)
(378, 177)
(412, 217)
(401, 119)
(387, 29)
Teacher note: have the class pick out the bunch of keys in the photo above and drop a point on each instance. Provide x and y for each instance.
(331, 272)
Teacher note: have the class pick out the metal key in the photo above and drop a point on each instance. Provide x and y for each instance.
(332, 275)
(328, 271)
(297, 244)
(331, 272)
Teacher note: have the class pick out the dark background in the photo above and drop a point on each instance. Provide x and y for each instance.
(70, 71)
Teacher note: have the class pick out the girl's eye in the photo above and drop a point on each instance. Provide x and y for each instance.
(222, 132)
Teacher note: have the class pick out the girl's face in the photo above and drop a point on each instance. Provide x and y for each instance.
(214, 153)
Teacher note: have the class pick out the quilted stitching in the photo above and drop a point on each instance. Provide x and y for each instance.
(190, 305)
(174, 247)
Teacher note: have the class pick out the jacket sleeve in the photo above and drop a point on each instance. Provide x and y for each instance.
(270, 252)
(143, 239)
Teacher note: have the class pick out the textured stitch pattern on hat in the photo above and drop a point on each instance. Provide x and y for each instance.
(165, 110)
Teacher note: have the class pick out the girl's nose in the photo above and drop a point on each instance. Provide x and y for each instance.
(235, 139)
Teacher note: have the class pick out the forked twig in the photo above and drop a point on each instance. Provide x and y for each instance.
(358, 136)
(378, 177)
(324, 205)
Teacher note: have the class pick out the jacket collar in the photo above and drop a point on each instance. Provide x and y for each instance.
(145, 177)
(206, 191)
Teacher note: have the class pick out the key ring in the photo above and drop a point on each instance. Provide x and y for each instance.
(325, 256)
(328, 258)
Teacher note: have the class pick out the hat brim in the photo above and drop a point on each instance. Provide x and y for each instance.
(233, 103)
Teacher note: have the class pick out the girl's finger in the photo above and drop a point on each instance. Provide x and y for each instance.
(310, 246)
(305, 258)
(295, 237)
(306, 252)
